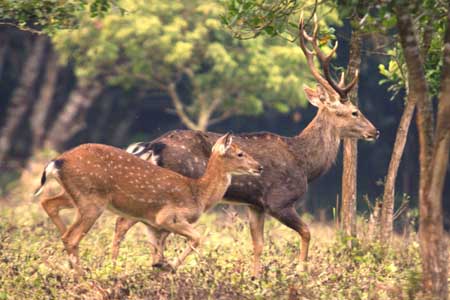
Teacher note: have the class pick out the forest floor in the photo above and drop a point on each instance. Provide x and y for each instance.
(33, 264)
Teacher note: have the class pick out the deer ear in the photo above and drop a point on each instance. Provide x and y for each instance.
(313, 96)
(223, 144)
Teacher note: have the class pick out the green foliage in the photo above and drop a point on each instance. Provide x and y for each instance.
(33, 264)
(156, 43)
(395, 72)
(430, 23)
(248, 19)
(50, 15)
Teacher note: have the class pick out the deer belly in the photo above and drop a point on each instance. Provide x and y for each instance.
(136, 210)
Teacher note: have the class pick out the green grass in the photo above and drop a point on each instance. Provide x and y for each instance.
(33, 264)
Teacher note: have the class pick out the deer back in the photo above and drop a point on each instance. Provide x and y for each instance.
(126, 182)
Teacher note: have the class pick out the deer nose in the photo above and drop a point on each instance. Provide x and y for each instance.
(260, 169)
(377, 135)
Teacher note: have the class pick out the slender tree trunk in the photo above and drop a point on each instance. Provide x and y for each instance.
(433, 160)
(179, 107)
(349, 175)
(42, 106)
(204, 116)
(387, 221)
(22, 96)
(70, 120)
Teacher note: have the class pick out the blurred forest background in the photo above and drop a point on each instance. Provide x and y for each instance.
(133, 75)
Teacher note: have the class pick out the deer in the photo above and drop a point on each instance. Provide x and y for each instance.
(290, 163)
(97, 177)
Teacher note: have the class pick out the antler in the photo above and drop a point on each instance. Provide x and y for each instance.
(328, 82)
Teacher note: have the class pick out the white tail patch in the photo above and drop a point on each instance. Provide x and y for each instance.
(39, 191)
(49, 172)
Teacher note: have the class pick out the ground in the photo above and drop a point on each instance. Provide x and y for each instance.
(33, 264)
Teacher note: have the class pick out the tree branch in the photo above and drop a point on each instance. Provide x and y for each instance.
(179, 107)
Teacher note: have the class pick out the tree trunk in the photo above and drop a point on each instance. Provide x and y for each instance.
(431, 231)
(42, 107)
(387, 213)
(22, 96)
(433, 247)
(349, 175)
(71, 119)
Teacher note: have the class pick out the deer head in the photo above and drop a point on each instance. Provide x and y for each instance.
(331, 97)
(233, 160)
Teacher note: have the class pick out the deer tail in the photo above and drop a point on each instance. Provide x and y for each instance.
(51, 169)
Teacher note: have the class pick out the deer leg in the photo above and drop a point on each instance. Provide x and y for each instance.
(157, 240)
(289, 217)
(182, 227)
(53, 205)
(85, 218)
(256, 221)
(122, 227)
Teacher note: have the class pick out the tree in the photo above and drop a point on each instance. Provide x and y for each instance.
(434, 151)
(22, 96)
(183, 50)
(350, 149)
(396, 76)
(41, 108)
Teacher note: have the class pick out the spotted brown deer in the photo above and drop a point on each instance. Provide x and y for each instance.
(290, 163)
(97, 177)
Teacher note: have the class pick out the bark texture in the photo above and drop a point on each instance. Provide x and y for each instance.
(350, 149)
(71, 119)
(22, 96)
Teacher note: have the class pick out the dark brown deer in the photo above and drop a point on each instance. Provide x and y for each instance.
(290, 163)
(97, 177)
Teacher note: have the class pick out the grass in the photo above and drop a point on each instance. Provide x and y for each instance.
(33, 264)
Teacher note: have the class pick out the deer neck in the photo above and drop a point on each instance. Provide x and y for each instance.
(211, 187)
(317, 145)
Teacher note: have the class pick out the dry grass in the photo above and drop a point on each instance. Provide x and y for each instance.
(33, 264)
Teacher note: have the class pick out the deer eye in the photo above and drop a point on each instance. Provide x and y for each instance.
(240, 154)
(355, 113)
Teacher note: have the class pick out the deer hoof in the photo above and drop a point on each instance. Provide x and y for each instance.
(164, 266)
(257, 272)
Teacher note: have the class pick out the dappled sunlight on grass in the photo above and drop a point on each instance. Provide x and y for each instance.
(33, 264)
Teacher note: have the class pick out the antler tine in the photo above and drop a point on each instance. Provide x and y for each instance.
(350, 86)
(342, 80)
(310, 54)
